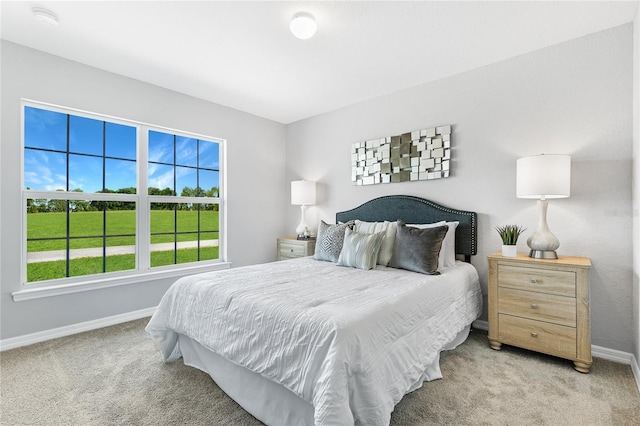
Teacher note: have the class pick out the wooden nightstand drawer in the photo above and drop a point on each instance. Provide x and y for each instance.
(537, 279)
(538, 306)
(539, 336)
(291, 248)
(288, 249)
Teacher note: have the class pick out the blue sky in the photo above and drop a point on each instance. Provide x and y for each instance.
(46, 170)
(187, 150)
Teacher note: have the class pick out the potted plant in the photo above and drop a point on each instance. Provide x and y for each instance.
(509, 235)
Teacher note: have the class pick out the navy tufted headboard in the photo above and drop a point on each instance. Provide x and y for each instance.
(416, 210)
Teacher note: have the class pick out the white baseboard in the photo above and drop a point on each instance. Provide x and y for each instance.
(596, 351)
(611, 354)
(636, 370)
(480, 325)
(41, 336)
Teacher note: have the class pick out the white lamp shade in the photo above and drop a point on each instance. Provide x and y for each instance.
(543, 176)
(303, 193)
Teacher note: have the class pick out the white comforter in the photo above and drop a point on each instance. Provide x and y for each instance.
(350, 342)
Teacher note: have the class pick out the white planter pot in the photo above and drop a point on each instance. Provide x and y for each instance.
(509, 251)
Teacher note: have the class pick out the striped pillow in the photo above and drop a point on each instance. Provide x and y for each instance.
(389, 228)
(360, 250)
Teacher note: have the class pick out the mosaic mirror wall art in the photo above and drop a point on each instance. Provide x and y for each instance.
(419, 155)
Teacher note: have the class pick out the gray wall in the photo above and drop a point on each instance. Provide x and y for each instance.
(574, 98)
(636, 186)
(257, 193)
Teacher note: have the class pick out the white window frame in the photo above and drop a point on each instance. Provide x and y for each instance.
(143, 270)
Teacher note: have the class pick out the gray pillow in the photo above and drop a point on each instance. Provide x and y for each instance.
(360, 250)
(329, 241)
(416, 249)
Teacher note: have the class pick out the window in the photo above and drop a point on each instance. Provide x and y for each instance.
(183, 169)
(106, 196)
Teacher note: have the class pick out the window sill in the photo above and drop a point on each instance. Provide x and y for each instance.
(96, 284)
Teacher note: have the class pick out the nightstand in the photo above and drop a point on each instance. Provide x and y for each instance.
(541, 305)
(291, 248)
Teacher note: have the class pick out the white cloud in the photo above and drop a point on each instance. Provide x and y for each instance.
(159, 153)
(186, 150)
(163, 180)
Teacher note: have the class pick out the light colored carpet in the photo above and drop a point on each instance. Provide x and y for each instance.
(116, 376)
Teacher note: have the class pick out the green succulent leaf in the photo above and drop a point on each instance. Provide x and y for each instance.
(510, 233)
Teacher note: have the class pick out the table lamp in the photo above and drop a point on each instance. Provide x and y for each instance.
(303, 194)
(543, 177)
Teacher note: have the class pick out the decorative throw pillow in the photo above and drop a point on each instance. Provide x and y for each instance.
(447, 256)
(329, 241)
(360, 250)
(389, 228)
(417, 249)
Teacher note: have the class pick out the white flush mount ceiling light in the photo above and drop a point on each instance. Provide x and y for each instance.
(303, 25)
(45, 16)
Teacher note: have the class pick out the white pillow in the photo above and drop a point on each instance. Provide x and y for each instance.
(447, 255)
(389, 229)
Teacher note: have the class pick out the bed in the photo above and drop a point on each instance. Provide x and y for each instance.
(304, 341)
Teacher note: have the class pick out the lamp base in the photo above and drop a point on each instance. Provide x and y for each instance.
(543, 254)
(302, 227)
(542, 242)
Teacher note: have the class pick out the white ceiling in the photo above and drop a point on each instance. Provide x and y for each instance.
(241, 54)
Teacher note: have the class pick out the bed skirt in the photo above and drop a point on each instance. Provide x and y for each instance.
(266, 400)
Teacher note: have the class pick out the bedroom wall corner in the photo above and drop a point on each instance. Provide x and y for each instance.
(636, 193)
(256, 198)
(572, 98)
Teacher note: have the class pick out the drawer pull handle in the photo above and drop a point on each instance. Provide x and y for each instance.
(534, 281)
(534, 334)
(534, 306)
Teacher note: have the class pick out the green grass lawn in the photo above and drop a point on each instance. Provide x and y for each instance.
(93, 265)
(90, 224)
(118, 222)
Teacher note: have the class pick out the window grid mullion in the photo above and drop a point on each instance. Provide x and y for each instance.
(68, 219)
(175, 206)
(104, 187)
(68, 242)
(200, 190)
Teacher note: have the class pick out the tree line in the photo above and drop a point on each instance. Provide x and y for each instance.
(41, 205)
